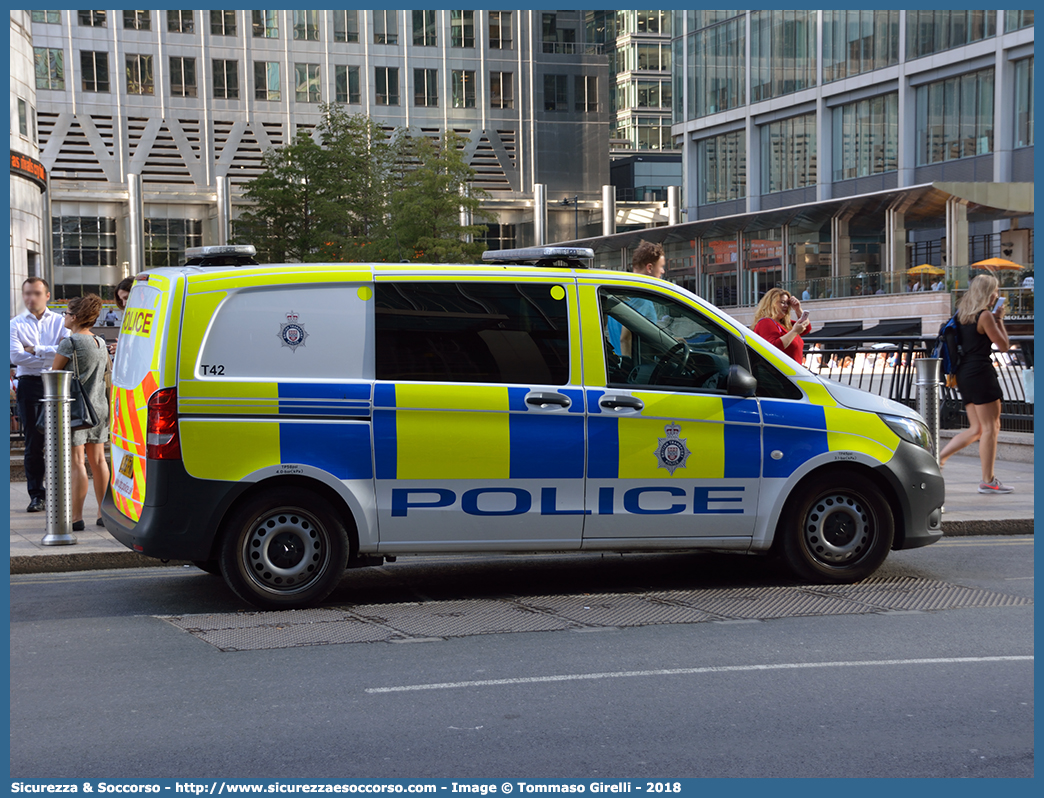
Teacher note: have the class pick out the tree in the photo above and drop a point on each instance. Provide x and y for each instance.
(431, 190)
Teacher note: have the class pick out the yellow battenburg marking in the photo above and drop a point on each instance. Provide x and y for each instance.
(434, 445)
(199, 310)
(847, 442)
(214, 389)
(365, 293)
(557, 292)
(640, 440)
(817, 393)
(228, 450)
(592, 337)
(858, 431)
(451, 397)
(676, 407)
(307, 274)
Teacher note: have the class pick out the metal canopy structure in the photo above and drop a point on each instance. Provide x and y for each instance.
(924, 206)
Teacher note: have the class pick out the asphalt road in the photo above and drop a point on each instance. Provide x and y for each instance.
(101, 687)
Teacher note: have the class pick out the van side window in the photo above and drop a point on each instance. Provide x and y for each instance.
(771, 384)
(472, 332)
(652, 340)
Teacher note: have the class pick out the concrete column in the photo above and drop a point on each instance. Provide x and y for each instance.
(608, 210)
(47, 238)
(741, 261)
(1003, 114)
(224, 209)
(753, 166)
(673, 204)
(956, 236)
(539, 214)
(825, 147)
(786, 269)
(840, 244)
(135, 224)
(895, 241)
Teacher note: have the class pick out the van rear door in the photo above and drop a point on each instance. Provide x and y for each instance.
(137, 374)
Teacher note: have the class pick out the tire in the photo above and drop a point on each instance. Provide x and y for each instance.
(284, 549)
(837, 529)
(210, 566)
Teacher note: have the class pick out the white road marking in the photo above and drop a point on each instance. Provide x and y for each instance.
(782, 666)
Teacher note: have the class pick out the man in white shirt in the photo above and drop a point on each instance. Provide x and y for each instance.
(35, 336)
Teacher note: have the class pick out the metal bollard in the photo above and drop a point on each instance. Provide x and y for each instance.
(58, 457)
(928, 383)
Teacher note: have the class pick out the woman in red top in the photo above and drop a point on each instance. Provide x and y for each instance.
(773, 323)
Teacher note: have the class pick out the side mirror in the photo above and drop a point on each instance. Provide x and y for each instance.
(741, 382)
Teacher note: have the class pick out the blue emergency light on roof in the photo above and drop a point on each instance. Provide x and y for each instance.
(541, 256)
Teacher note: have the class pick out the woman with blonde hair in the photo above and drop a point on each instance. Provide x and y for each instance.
(979, 329)
(86, 354)
(773, 323)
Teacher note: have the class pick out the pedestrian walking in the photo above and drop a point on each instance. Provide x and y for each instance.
(980, 328)
(35, 335)
(86, 354)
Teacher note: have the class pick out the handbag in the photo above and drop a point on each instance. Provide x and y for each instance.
(82, 414)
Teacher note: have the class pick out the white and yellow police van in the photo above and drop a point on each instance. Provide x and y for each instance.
(280, 423)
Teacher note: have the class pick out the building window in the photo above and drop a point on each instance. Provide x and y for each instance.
(385, 28)
(1013, 20)
(386, 85)
(858, 41)
(226, 79)
(866, 137)
(498, 236)
(782, 53)
(50, 68)
(424, 29)
(265, 24)
(586, 93)
(500, 30)
(723, 167)
(555, 93)
(180, 22)
(651, 94)
(55, 17)
(654, 57)
(83, 241)
(1024, 102)
(167, 239)
(462, 28)
(91, 19)
(266, 81)
(182, 76)
(501, 92)
(94, 67)
(955, 118)
(23, 117)
(223, 23)
(426, 87)
(137, 20)
(788, 154)
(717, 72)
(346, 81)
(930, 32)
(139, 74)
(556, 39)
(306, 83)
(463, 88)
(346, 26)
(306, 26)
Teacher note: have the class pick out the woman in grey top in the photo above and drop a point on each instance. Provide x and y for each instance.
(90, 364)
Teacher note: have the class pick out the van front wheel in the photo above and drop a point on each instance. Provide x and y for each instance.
(837, 530)
(284, 549)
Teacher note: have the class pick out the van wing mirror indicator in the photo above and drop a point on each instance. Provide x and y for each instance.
(741, 382)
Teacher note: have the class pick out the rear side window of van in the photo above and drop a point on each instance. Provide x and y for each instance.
(472, 332)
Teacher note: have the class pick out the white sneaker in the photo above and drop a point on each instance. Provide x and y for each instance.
(994, 487)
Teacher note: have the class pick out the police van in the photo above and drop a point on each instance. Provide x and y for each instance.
(277, 424)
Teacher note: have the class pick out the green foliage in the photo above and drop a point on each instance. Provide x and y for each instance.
(362, 196)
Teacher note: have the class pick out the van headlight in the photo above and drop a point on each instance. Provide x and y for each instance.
(911, 430)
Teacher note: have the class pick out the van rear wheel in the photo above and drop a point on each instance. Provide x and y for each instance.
(837, 529)
(283, 549)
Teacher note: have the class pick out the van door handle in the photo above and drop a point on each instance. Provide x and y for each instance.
(541, 398)
(620, 402)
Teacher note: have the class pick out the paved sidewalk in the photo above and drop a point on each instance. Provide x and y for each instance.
(967, 513)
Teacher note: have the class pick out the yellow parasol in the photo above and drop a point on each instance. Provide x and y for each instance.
(926, 268)
(994, 264)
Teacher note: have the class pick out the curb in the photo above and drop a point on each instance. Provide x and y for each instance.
(105, 560)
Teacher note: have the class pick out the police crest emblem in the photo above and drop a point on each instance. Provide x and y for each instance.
(672, 451)
(292, 332)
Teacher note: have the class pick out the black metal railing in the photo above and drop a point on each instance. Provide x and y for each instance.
(886, 368)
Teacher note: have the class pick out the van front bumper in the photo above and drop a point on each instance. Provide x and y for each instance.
(919, 489)
(181, 516)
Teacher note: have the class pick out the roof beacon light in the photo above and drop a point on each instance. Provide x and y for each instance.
(541, 256)
(221, 255)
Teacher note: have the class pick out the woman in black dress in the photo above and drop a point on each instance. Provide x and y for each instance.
(981, 393)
